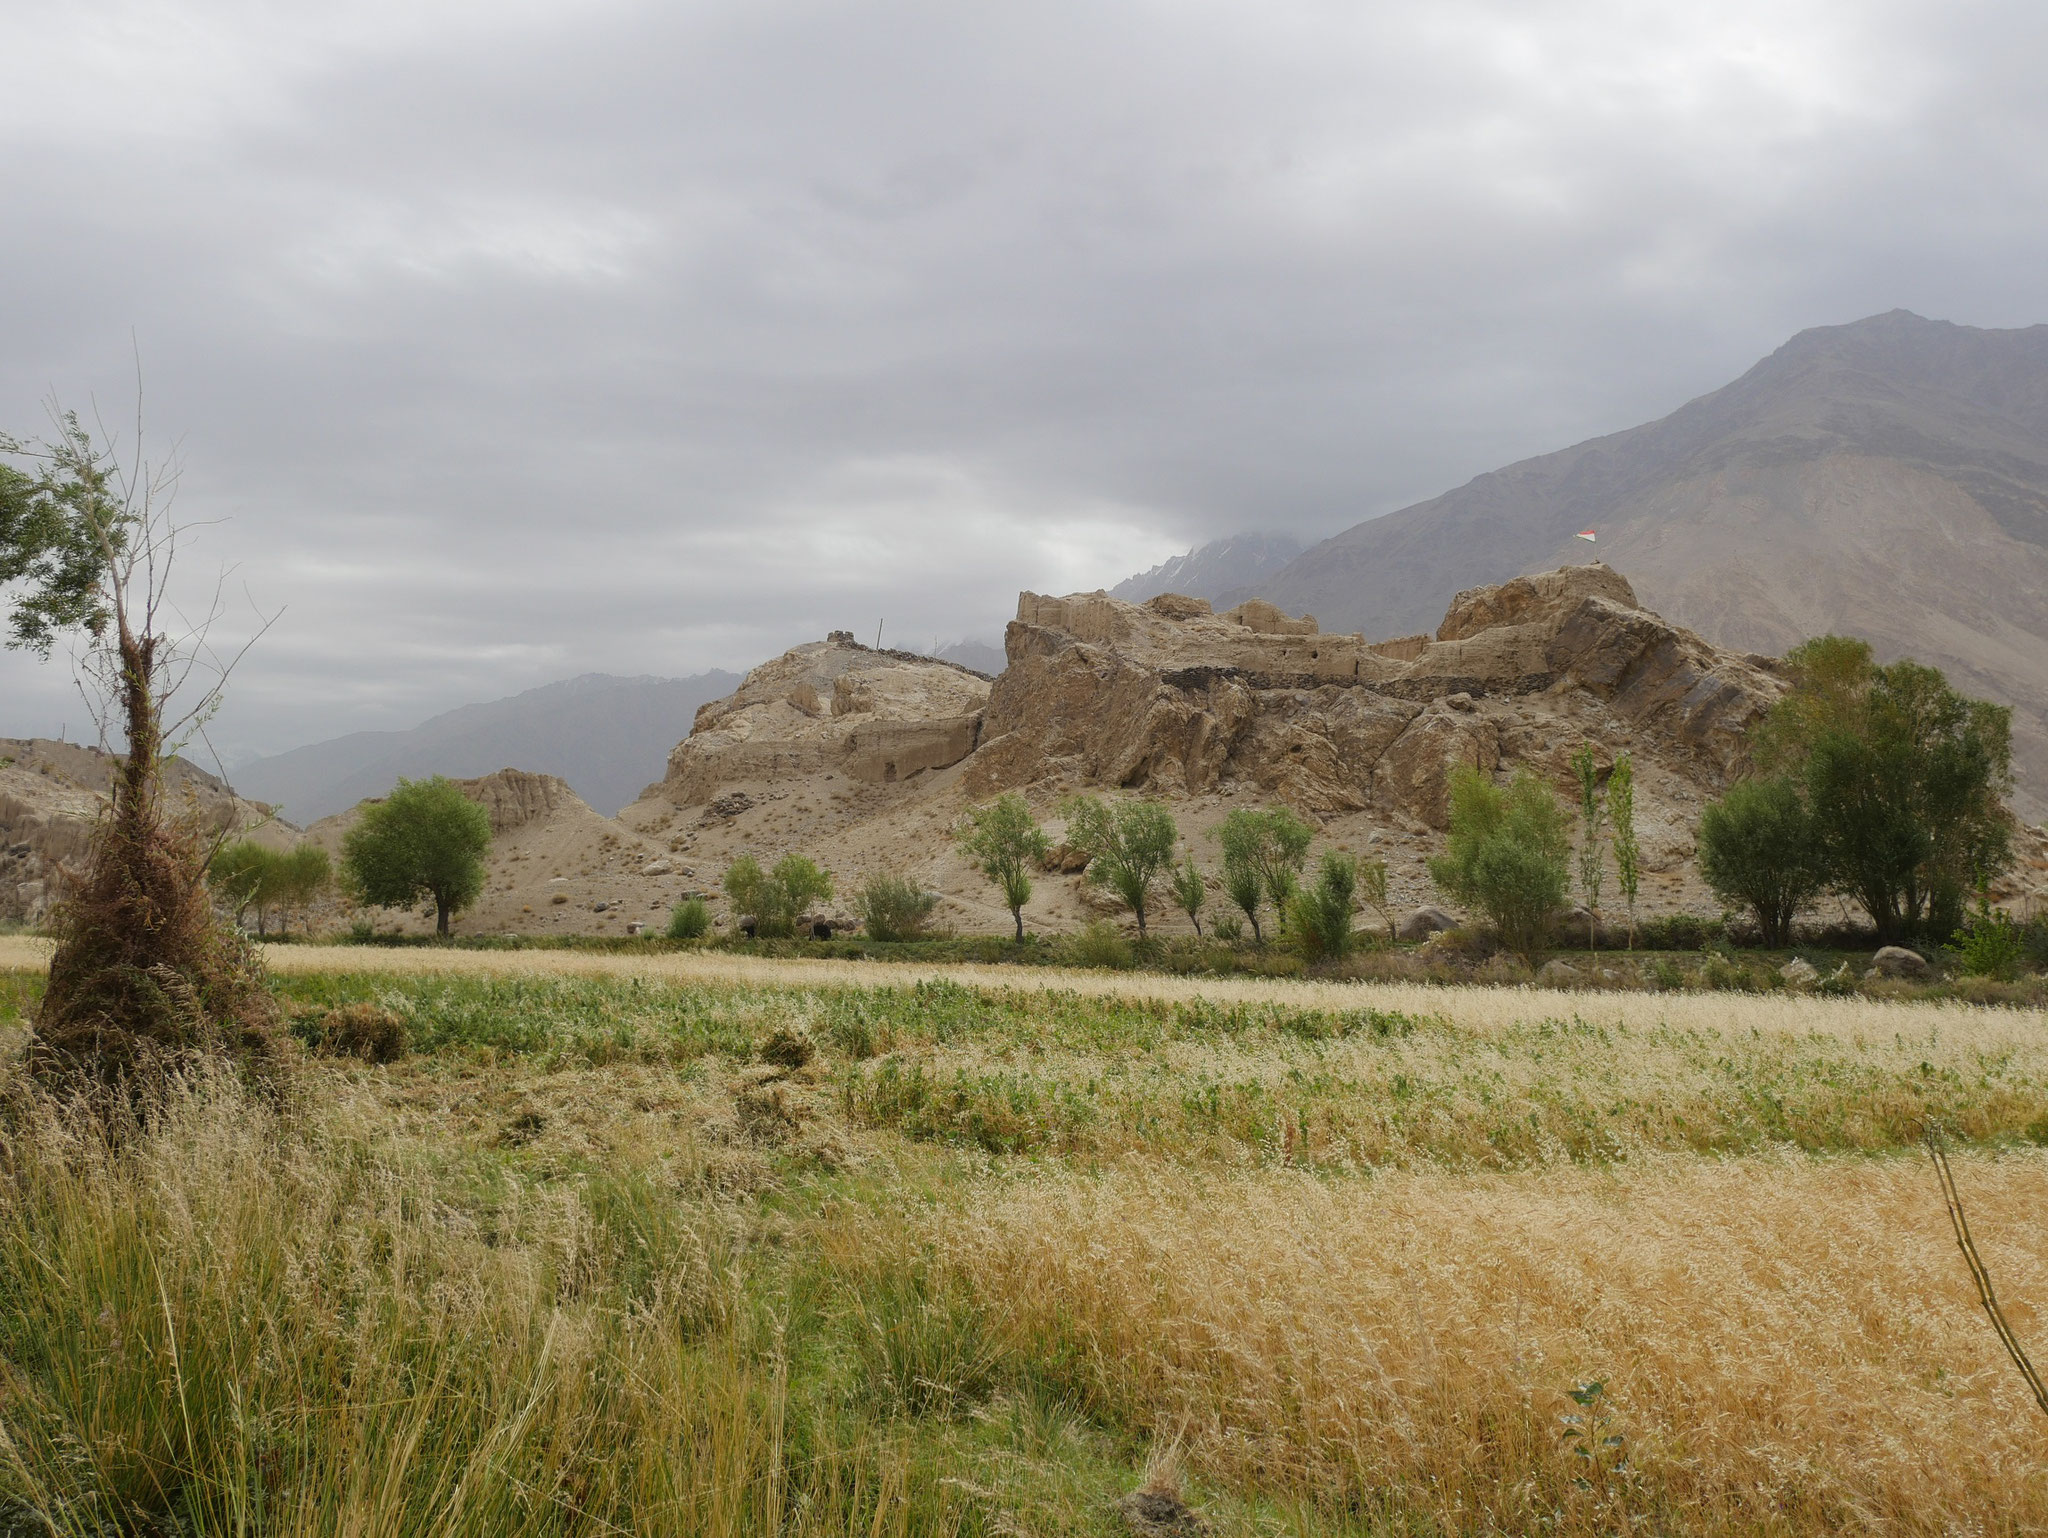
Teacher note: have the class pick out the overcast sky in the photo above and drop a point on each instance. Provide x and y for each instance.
(519, 339)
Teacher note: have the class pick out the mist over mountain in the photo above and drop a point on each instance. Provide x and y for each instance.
(607, 736)
(1209, 571)
(982, 656)
(1887, 479)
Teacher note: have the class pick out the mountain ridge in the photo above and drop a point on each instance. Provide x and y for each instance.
(605, 735)
(1888, 478)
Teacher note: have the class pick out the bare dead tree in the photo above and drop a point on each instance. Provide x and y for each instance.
(146, 974)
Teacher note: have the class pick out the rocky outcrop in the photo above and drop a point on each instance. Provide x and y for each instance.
(1171, 697)
(834, 706)
(51, 797)
(516, 797)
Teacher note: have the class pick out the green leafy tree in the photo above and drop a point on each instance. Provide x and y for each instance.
(1190, 891)
(1243, 885)
(1322, 911)
(425, 839)
(1628, 854)
(1903, 777)
(1272, 843)
(302, 874)
(1508, 855)
(1005, 842)
(1758, 850)
(774, 900)
(241, 874)
(891, 908)
(1129, 845)
(1592, 865)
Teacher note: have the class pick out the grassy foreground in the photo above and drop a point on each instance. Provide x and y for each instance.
(611, 1252)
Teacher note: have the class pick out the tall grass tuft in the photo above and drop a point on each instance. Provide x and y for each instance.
(224, 1325)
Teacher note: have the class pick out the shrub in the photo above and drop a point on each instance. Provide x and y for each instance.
(1100, 945)
(1993, 945)
(689, 919)
(1680, 932)
(890, 908)
(1227, 927)
(1507, 855)
(1758, 850)
(1321, 914)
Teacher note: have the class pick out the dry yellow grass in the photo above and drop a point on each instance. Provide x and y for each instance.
(1475, 1008)
(1789, 1345)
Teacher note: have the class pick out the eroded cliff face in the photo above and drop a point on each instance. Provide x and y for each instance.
(1174, 699)
(833, 706)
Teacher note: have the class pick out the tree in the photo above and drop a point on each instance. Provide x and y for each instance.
(1903, 778)
(241, 874)
(1129, 845)
(1005, 842)
(1190, 891)
(1244, 887)
(147, 975)
(301, 874)
(1507, 855)
(1591, 814)
(1628, 854)
(1272, 843)
(425, 839)
(774, 900)
(1372, 887)
(1758, 850)
(1322, 912)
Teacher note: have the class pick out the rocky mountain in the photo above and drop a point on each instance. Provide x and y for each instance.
(51, 795)
(1240, 562)
(866, 761)
(1887, 479)
(601, 734)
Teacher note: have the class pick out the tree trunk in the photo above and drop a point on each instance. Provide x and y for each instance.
(135, 794)
(1018, 914)
(1139, 908)
(441, 917)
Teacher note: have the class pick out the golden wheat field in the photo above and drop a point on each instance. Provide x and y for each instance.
(721, 1245)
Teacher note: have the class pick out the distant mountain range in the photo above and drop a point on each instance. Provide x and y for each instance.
(982, 656)
(608, 737)
(1211, 570)
(1887, 479)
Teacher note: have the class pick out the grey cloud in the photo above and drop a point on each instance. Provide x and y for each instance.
(523, 341)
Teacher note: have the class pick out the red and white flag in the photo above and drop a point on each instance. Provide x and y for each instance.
(1586, 535)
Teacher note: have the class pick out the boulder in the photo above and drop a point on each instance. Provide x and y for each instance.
(1560, 974)
(1897, 961)
(657, 868)
(1424, 922)
(1799, 973)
